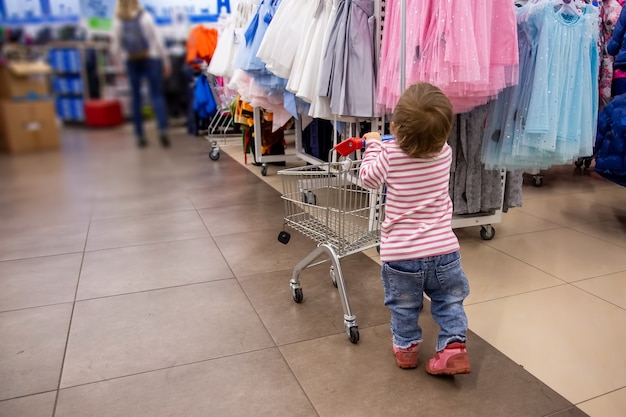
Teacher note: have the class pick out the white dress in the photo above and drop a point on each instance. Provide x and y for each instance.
(282, 39)
(222, 61)
(320, 105)
(305, 73)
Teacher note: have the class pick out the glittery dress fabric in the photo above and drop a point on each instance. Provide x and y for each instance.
(551, 116)
(468, 49)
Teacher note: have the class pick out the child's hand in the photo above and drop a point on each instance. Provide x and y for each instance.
(372, 136)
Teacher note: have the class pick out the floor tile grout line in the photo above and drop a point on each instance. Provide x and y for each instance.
(295, 377)
(558, 413)
(34, 307)
(164, 242)
(593, 236)
(596, 295)
(504, 297)
(206, 227)
(40, 256)
(146, 244)
(179, 365)
(546, 272)
(189, 284)
(28, 395)
(152, 213)
(522, 261)
(601, 395)
(69, 327)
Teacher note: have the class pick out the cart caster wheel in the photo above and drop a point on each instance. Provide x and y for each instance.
(487, 232)
(354, 334)
(283, 237)
(214, 154)
(587, 162)
(297, 295)
(578, 163)
(537, 181)
(264, 170)
(333, 276)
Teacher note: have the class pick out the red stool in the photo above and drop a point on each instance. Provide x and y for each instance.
(103, 113)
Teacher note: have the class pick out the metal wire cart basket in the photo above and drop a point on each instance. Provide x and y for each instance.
(327, 203)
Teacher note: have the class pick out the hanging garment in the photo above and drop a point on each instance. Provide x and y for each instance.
(474, 189)
(320, 105)
(252, 80)
(201, 44)
(224, 55)
(468, 49)
(609, 14)
(610, 146)
(616, 45)
(231, 34)
(304, 77)
(204, 103)
(247, 58)
(282, 39)
(348, 72)
(551, 117)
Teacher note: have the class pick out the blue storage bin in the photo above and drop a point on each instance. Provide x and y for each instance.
(76, 85)
(78, 109)
(74, 60)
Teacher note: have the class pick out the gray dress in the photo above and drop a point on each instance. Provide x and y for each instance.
(474, 189)
(348, 74)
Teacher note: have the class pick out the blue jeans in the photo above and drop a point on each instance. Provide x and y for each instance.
(443, 280)
(152, 70)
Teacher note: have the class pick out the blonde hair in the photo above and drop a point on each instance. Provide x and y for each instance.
(126, 9)
(422, 120)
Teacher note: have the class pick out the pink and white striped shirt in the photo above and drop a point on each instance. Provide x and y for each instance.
(418, 211)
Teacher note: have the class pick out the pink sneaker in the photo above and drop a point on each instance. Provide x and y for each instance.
(406, 358)
(450, 361)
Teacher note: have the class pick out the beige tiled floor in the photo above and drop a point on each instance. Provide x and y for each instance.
(150, 283)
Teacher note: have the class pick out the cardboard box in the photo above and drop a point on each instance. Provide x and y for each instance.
(27, 126)
(24, 79)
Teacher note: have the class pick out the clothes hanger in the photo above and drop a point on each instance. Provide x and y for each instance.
(572, 7)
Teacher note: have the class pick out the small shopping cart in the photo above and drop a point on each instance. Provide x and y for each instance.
(328, 203)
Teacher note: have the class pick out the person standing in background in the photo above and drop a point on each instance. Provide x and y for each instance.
(137, 43)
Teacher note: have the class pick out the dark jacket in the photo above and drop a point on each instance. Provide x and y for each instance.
(610, 148)
(616, 45)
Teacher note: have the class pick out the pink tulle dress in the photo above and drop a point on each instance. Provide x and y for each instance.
(466, 48)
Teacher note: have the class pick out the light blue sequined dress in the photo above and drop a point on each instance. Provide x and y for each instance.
(551, 116)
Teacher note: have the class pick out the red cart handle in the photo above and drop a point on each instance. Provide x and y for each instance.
(350, 145)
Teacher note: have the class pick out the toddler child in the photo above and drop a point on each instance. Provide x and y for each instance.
(418, 249)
